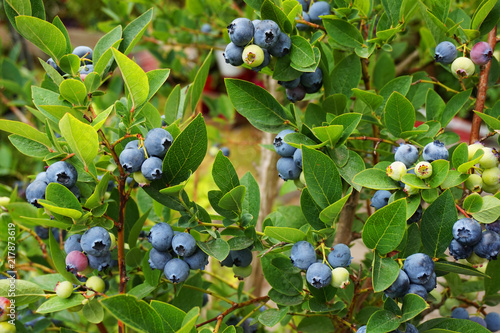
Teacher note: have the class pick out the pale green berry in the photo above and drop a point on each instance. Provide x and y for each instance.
(242, 272)
(451, 303)
(489, 159)
(301, 181)
(396, 170)
(140, 179)
(473, 148)
(4, 201)
(474, 183)
(64, 289)
(340, 277)
(96, 283)
(410, 190)
(6, 327)
(253, 55)
(476, 260)
(423, 170)
(463, 67)
(491, 176)
(490, 188)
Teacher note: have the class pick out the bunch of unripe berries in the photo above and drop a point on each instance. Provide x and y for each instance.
(85, 54)
(290, 164)
(491, 321)
(174, 253)
(463, 67)
(144, 159)
(320, 273)
(93, 284)
(240, 261)
(486, 176)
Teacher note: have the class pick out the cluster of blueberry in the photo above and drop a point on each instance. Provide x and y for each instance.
(489, 174)
(312, 14)
(491, 321)
(416, 277)
(145, 158)
(85, 53)
(472, 243)
(320, 274)
(5, 326)
(240, 261)
(167, 245)
(409, 329)
(60, 172)
(290, 164)
(463, 67)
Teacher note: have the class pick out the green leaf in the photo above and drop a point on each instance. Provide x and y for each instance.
(454, 105)
(224, 174)
(322, 177)
(382, 321)
(437, 224)
(26, 292)
(384, 229)
(328, 134)
(288, 283)
(251, 202)
(283, 234)
(217, 248)
(269, 11)
(440, 170)
(345, 76)
(24, 130)
(460, 155)
(301, 52)
(93, 311)
(491, 285)
(412, 306)
(60, 25)
(399, 114)
(134, 77)
(74, 91)
(434, 106)
(449, 325)
(286, 300)
(453, 179)
(384, 272)
(186, 153)
(59, 259)
(330, 214)
(311, 210)
(106, 41)
(28, 147)
(369, 98)
(316, 324)
(392, 9)
(272, 317)
(198, 84)
(70, 63)
(141, 290)
(62, 197)
(257, 105)
(73, 131)
(233, 200)
(494, 123)
(137, 228)
(490, 211)
(349, 121)
(481, 12)
(343, 33)
(55, 304)
(170, 314)
(473, 203)
(136, 314)
(375, 179)
(283, 71)
(133, 32)
(97, 198)
(46, 36)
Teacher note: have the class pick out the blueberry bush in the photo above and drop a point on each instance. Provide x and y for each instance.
(119, 230)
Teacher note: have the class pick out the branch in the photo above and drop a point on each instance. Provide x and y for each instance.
(15, 110)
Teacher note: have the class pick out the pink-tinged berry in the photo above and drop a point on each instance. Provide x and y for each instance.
(64, 289)
(253, 55)
(423, 170)
(340, 277)
(76, 261)
(396, 170)
(462, 67)
(410, 190)
(474, 183)
(96, 283)
(473, 148)
(489, 159)
(481, 53)
(4, 308)
(491, 176)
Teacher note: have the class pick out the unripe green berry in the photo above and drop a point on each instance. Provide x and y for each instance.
(4, 201)
(462, 67)
(301, 181)
(410, 190)
(140, 179)
(340, 277)
(96, 283)
(64, 289)
(396, 170)
(423, 170)
(113, 241)
(491, 176)
(253, 55)
(473, 148)
(476, 260)
(489, 159)
(490, 188)
(474, 183)
(242, 272)
(6, 327)
(451, 303)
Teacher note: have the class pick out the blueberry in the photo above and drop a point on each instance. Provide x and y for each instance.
(495, 226)
(265, 62)
(312, 81)
(478, 320)
(304, 4)
(233, 54)
(225, 151)
(241, 258)
(158, 259)
(84, 52)
(42, 232)
(134, 144)
(281, 147)
(406, 153)
(380, 199)
(176, 270)
(184, 244)
(399, 287)
(488, 246)
(228, 261)
(96, 241)
(481, 53)
(416, 216)
(206, 28)
(319, 275)
(86, 69)
(205, 299)
(459, 251)
(302, 26)
(419, 268)
(152, 168)
(76, 261)
(445, 53)
(36, 191)
(100, 263)
(282, 46)
(63, 173)
(163, 122)
(55, 233)
(255, 23)
(52, 63)
(297, 158)
(296, 94)
(73, 243)
(241, 31)
(198, 260)
(287, 169)
(467, 231)
(76, 191)
(157, 142)
(266, 34)
(303, 255)
(459, 313)
(431, 284)
(418, 290)
(340, 256)
(131, 159)
(435, 151)
(411, 328)
(318, 9)
(492, 320)
(290, 84)
(42, 176)
(160, 236)
(362, 329)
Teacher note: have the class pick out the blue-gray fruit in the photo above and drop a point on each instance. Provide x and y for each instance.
(290, 84)
(380, 199)
(96, 241)
(160, 236)
(303, 255)
(266, 34)
(158, 259)
(312, 81)
(184, 244)
(157, 142)
(296, 94)
(287, 169)
(282, 46)
(84, 51)
(297, 158)
(419, 268)
(445, 52)
(73, 243)
(489, 245)
(417, 289)
(399, 287)
(198, 260)
(100, 263)
(340, 256)
(467, 231)
(241, 258)
(176, 270)
(151, 168)
(233, 54)
(63, 173)
(406, 153)
(241, 31)
(435, 151)
(318, 9)
(319, 275)
(131, 159)
(36, 191)
(302, 26)
(52, 63)
(281, 147)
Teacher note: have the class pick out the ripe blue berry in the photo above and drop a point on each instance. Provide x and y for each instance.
(42, 232)
(206, 28)
(255, 23)
(42, 176)
(73, 243)
(176, 270)
(198, 260)
(76, 261)
(495, 226)
(241, 31)
(84, 52)
(85, 70)
(481, 53)
(318, 9)
(399, 287)
(488, 246)
(362, 329)
(266, 34)
(63, 173)
(406, 153)
(467, 231)
(151, 168)
(160, 236)
(296, 94)
(380, 199)
(132, 159)
(340, 256)
(157, 142)
(302, 26)
(158, 259)
(431, 284)
(319, 275)
(416, 216)
(282, 46)
(304, 4)
(417, 289)
(184, 244)
(435, 151)
(459, 251)
(419, 268)
(225, 151)
(100, 263)
(287, 169)
(492, 320)
(52, 63)
(303, 255)
(241, 258)
(290, 84)
(445, 53)
(96, 241)
(36, 191)
(281, 147)
(411, 328)
(134, 144)
(312, 81)
(297, 158)
(478, 320)
(459, 313)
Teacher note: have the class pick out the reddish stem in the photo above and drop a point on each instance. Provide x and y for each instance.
(462, 211)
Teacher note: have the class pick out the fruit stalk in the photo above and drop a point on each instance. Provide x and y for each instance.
(481, 90)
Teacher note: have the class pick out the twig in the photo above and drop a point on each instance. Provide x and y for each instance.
(462, 211)
(280, 244)
(19, 114)
(312, 25)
